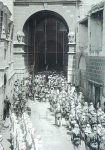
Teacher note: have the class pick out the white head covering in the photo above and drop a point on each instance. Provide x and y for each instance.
(1, 138)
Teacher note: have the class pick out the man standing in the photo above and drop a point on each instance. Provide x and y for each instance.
(7, 106)
(58, 115)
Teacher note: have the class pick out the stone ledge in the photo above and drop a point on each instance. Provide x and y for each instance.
(19, 52)
(71, 52)
(28, 2)
(97, 83)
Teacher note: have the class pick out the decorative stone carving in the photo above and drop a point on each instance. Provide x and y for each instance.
(8, 34)
(20, 37)
(71, 38)
(45, 6)
(3, 33)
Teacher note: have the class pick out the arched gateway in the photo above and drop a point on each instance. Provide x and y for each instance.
(44, 36)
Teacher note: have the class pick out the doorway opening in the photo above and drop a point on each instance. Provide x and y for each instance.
(46, 38)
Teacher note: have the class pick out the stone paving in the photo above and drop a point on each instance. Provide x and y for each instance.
(5, 132)
(6, 139)
(54, 138)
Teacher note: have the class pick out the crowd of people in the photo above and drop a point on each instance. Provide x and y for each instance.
(17, 117)
(23, 135)
(66, 101)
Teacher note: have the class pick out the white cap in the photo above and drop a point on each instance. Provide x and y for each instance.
(1, 137)
(76, 125)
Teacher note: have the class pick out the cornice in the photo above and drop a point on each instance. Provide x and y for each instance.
(38, 2)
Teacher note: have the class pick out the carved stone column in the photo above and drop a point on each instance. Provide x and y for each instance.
(71, 57)
(19, 55)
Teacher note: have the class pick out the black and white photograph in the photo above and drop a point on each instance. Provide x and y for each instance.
(52, 74)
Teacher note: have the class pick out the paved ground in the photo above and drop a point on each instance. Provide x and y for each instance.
(54, 138)
(6, 138)
(5, 132)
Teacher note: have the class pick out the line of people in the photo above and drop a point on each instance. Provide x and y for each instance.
(23, 135)
(67, 102)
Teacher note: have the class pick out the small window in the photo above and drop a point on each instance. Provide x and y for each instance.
(5, 79)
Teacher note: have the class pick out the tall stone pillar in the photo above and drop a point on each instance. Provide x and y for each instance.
(19, 56)
(71, 57)
(3, 69)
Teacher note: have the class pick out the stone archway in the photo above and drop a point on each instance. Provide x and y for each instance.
(46, 33)
(64, 11)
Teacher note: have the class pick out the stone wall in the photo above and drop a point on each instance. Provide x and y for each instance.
(92, 49)
(96, 68)
(94, 74)
(6, 57)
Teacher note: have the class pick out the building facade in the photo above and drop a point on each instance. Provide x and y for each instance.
(48, 30)
(47, 33)
(90, 55)
(6, 56)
